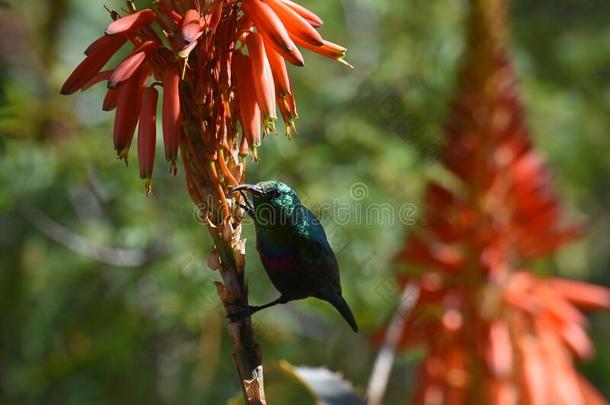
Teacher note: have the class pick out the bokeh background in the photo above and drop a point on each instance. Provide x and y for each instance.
(105, 293)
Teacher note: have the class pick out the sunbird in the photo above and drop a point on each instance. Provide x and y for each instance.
(293, 248)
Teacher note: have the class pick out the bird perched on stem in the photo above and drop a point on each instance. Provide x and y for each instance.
(293, 248)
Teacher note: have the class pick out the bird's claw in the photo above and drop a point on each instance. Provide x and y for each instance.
(236, 304)
(244, 310)
(238, 316)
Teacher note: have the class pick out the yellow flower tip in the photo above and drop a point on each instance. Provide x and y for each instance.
(269, 126)
(148, 186)
(346, 63)
(291, 129)
(123, 155)
(186, 62)
(254, 154)
(173, 168)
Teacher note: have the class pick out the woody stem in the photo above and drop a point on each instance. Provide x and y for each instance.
(206, 190)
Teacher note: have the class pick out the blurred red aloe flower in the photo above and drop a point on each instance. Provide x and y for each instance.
(203, 43)
(494, 332)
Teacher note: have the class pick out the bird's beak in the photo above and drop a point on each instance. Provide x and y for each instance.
(254, 189)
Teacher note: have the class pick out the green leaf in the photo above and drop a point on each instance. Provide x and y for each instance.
(328, 387)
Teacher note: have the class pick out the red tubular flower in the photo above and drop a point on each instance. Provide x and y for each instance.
(212, 19)
(147, 135)
(100, 77)
(191, 26)
(93, 63)
(102, 42)
(132, 22)
(250, 115)
(270, 25)
(279, 71)
(171, 115)
(327, 49)
(295, 24)
(581, 294)
(168, 11)
(262, 78)
(243, 147)
(131, 64)
(127, 114)
(289, 114)
(111, 100)
(126, 69)
(310, 17)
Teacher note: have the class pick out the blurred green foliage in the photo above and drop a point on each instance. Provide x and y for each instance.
(83, 322)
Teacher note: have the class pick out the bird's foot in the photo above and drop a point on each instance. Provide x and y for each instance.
(249, 310)
(236, 304)
(244, 312)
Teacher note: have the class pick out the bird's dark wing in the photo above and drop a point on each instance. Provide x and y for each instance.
(315, 252)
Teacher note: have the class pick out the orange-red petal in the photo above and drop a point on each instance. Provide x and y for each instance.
(170, 12)
(434, 254)
(147, 134)
(589, 296)
(131, 64)
(127, 114)
(101, 43)
(132, 22)
(250, 115)
(328, 49)
(100, 77)
(577, 339)
(307, 14)
(262, 78)
(590, 394)
(499, 349)
(270, 25)
(287, 106)
(243, 146)
(295, 24)
(93, 63)
(191, 26)
(534, 372)
(171, 114)
(111, 100)
(126, 69)
(279, 71)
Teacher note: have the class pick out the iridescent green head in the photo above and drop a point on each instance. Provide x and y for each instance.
(272, 201)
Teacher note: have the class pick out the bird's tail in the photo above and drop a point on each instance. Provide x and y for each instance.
(339, 303)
